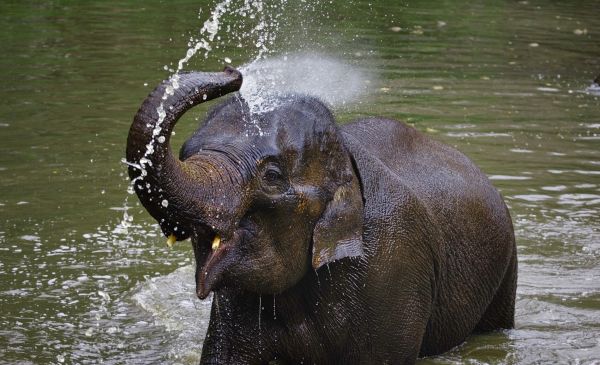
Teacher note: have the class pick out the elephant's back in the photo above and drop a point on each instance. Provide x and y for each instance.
(465, 222)
(439, 176)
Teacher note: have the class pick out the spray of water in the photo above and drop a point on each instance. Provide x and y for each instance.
(327, 78)
(265, 77)
(264, 33)
(594, 88)
(210, 29)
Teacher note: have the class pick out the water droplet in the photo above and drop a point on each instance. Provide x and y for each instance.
(165, 203)
(104, 295)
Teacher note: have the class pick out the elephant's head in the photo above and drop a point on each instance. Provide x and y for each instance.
(262, 197)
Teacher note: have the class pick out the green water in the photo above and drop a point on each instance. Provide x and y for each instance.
(85, 275)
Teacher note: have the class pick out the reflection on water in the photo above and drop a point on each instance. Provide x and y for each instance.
(85, 274)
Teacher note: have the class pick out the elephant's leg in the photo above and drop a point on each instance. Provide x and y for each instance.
(500, 313)
(397, 326)
(400, 344)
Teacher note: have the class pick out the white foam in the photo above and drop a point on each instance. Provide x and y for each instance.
(172, 302)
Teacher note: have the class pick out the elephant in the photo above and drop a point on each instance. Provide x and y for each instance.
(362, 243)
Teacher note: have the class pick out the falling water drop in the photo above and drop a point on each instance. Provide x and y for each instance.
(260, 308)
(259, 311)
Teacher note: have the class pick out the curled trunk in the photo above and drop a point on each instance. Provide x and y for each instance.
(162, 182)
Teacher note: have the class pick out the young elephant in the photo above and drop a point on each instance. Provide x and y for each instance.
(363, 244)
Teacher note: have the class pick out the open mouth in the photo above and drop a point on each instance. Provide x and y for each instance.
(210, 251)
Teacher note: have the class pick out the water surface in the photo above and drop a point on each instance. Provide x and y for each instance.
(85, 275)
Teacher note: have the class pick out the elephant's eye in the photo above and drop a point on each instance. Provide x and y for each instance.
(272, 175)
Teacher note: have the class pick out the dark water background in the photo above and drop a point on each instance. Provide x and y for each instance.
(85, 275)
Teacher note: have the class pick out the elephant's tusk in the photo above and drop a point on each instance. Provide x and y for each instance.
(171, 240)
(216, 242)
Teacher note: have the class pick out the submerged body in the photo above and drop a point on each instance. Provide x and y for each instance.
(439, 263)
(441, 229)
(363, 244)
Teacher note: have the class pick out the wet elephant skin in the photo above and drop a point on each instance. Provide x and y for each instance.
(368, 243)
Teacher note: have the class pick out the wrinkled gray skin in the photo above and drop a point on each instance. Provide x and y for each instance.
(368, 243)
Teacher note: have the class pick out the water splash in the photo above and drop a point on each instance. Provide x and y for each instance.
(260, 308)
(264, 33)
(327, 78)
(594, 88)
(169, 299)
(210, 28)
(259, 311)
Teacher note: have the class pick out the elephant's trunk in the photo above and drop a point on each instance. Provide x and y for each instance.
(165, 185)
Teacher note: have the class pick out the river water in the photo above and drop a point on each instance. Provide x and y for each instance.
(85, 275)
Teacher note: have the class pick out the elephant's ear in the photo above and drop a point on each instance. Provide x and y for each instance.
(338, 233)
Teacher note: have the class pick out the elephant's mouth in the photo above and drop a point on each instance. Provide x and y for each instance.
(213, 256)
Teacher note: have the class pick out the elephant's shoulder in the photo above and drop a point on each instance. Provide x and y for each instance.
(410, 155)
(373, 132)
(392, 155)
(392, 142)
(379, 148)
(384, 143)
(401, 166)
